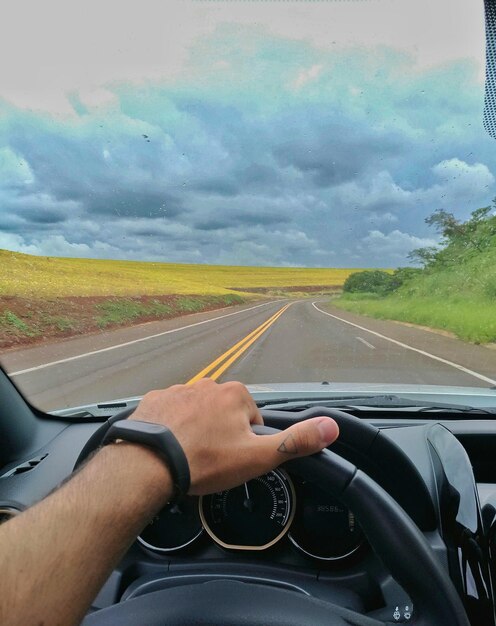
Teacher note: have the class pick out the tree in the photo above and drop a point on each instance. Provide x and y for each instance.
(401, 276)
(466, 233)
(482, 214)
(445, 223)
(424, 256)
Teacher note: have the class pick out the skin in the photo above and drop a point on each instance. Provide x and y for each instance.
(58, 554)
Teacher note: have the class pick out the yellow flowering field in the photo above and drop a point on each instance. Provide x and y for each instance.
(51, 277)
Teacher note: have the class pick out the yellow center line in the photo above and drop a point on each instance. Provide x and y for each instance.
(248, 340)
(245, 347)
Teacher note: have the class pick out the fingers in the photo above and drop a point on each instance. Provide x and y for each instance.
(302, 439)
(307, 437)
(254, 412)
(256, 417)
(212, 423)
(242, 394)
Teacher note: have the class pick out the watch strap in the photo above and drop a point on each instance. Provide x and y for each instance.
(160, 439)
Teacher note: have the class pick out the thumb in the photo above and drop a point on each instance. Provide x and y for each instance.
(302, 439)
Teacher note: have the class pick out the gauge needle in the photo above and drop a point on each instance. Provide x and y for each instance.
(248, 503)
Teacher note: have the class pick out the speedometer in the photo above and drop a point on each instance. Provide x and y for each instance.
(253, 516)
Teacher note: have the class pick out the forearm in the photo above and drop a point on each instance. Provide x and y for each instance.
(57, 555)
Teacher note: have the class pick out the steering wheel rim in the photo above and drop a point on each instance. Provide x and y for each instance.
(391, 533)
(389, 530)
(358, 441)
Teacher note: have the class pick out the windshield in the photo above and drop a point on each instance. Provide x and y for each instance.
(297, 195)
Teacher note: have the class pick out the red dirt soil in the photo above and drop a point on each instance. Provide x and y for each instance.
(77, 315)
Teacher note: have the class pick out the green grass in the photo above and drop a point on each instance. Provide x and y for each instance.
(62, 323)
(188, 305)
(455, 292)
(469, 318)
(125, 310)
(13, 325)
(48, 318)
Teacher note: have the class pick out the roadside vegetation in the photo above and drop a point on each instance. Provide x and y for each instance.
(47, 297)
(454, 289)
(35, 320)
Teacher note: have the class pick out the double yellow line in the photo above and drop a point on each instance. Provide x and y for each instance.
(237, 350)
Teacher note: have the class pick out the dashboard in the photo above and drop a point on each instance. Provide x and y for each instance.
(255, 517)
(283, 530)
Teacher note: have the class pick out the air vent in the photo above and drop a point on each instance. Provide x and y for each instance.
(7, 512)
(27, 466)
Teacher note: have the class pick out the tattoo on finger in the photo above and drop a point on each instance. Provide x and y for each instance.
(288, 446)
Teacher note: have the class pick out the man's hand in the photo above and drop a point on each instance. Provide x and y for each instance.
(212, 423)
(57, 554)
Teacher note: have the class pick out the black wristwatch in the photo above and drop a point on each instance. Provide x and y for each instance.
(162, 441)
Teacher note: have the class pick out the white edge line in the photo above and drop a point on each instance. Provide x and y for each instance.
(129, 343)
(369, 345)
(407, 347)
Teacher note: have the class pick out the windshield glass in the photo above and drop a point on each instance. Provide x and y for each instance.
(282, 193)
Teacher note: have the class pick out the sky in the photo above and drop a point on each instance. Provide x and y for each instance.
(240, 132)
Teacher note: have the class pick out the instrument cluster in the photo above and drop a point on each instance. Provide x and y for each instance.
(256, 516)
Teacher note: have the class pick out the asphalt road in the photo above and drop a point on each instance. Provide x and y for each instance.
(280, 341)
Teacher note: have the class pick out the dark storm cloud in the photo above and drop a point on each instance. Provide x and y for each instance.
(241, 218)
(167, 175)
(241, 178)
(260, 217)
(258, 175)
(217, 186)
(332, 150)
(43, 216)
(213, 224)
(11, 224)
(133, 203)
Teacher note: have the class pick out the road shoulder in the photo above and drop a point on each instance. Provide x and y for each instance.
(14, 360)
(473, 357)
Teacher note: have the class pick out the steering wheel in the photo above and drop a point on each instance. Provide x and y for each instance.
(392, 534)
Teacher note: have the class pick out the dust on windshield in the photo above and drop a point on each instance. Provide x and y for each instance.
(286, 194)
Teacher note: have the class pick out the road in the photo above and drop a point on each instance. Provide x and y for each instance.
(269, 342)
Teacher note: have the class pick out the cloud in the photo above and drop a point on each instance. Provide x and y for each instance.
(306, 75)
(324, 145)
(53, 245)
(460, 184)
(379, 245)
(15, 170)
(266, 151)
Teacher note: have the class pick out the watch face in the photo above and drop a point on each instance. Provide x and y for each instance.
(128, 428)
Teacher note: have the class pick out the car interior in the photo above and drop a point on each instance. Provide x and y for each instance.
(395, 524)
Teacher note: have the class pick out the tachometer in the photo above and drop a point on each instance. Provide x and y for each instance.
(174, 528)
(323, 527)
(253, 516)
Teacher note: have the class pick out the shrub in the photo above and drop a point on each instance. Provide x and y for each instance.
(371, 281)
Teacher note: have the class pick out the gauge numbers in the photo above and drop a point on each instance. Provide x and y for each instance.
(253, 516)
